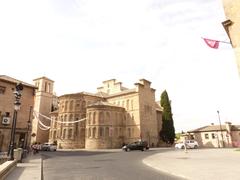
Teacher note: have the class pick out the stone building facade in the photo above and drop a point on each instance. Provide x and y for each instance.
(7, 99)
(112, 116)
(232, 25)
(44, 103)
(227, 135)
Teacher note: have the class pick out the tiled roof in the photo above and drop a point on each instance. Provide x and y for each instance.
(82, 93)
(43, 77)
(103, 103)
(15, 81)
(215, 128)
(123, 92)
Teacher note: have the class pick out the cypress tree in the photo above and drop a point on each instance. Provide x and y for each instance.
(167, 132)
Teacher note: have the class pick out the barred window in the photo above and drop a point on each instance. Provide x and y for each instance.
(2, 89)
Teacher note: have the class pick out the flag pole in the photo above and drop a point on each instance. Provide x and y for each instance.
(225, 42)
(217, 40)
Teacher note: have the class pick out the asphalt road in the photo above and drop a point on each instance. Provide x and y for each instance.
(96, 165)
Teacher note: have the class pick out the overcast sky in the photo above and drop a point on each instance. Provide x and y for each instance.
(80, 43)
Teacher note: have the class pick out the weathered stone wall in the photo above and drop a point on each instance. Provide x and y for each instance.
(148, 116)
(104, 128)
(232, 8)
(120, 116)
(7, 105)
(42, 104)
(129, 101)
(72, 107)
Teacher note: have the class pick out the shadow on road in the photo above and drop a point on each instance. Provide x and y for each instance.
(47, 155)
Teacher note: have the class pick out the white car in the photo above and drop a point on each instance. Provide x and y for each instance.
(192, 144)
(49, 147)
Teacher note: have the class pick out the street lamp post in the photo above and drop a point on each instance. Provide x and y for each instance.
(28, 127)
(17, 93)
(220, 128)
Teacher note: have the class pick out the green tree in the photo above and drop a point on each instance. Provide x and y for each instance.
(167, 132)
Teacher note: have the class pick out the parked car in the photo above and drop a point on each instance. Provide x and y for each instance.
(49, 147)
(191, 144)
(138, 145)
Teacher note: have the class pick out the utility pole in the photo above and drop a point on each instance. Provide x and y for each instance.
(221, 128)
(28, 127)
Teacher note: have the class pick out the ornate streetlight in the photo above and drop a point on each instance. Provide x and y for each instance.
(17, 93)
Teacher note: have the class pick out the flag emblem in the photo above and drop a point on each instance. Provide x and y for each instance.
(212, 43)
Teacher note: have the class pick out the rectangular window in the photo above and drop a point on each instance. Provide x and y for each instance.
(2, 89)
(123, 104)
(213, 135)
(129, 132)
(206, 136)
(127, 105)
(45, 88)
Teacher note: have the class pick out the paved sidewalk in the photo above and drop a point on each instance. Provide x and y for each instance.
(199, 164)
(29, 169)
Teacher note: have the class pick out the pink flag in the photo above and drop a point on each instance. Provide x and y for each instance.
(211, 43)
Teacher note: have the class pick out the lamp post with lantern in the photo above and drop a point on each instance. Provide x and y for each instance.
(17, 93)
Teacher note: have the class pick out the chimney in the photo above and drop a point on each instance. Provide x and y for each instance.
(228, 126)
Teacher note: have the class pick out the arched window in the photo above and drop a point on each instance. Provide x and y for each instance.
(83, 104)
(132, 104)
(107, 132)
(129, 132)
(123, 104)
(120, 132)
(65, 118)
(89, 118)
(101, 117)
(66, 106)
(82, 134)
(116, 132)
(64, 134)
(78, 102)
(70, 133)
(94, 117)
(89, 132)
(127, 105)
(55, 135)
(101, 132)
(115, 119)
(62, 106)
(71, 105)
(107, 117)
(71, 117)
(55, 123)
(94, 132)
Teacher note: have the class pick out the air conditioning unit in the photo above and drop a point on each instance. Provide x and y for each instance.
(6, 120)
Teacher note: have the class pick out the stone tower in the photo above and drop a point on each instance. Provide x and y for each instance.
(232, 25)
(43, 104)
